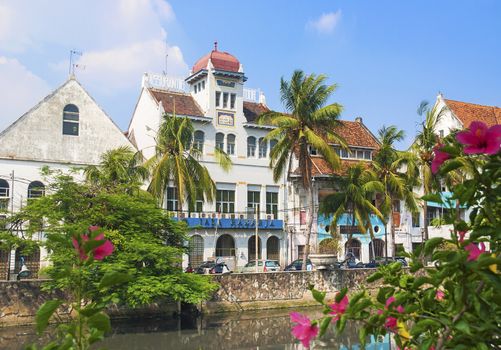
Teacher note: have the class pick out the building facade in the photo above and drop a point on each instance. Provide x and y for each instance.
(224, 114)
(66, 130)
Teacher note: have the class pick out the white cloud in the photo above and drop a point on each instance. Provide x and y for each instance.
(326, 23)
(21, 90)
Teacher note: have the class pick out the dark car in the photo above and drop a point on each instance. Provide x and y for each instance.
(297, 265)
(205, 267)
(387, 261)
(219, 268)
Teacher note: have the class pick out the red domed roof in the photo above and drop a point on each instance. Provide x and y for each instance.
(220, 60)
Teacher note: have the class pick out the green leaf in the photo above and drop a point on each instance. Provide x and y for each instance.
(324, 325)
(431, 244)
(341, 323)
(44, 314)
(114, 278)
(100, 321)
(92, 244)
(318, 296)
(463, 327)
(449, 165)
(375, 276)
(341, 294)
(90, 310)
(432, 197)
(362, 336)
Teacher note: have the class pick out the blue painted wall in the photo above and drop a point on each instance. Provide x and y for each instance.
(323, 221)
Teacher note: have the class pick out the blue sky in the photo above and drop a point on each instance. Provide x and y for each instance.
(385, 56)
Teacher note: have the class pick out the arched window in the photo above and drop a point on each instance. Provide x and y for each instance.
(36, 189)
(251, 246)
(71, 118)
(225, 246)
(353, 246)
(199, 138)
(4, 194)
(273, 143)
(220, 141)
(376, 249)
(273, 248)
(196, 256)
(251, 146)
(230, 144)
(263, 147)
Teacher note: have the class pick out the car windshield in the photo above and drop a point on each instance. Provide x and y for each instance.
(272, 264)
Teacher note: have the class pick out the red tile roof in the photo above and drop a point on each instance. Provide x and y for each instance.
(321, 168)
(185, 104)
(356, 134)
(220, 60)
(252, 110)
(468, 112)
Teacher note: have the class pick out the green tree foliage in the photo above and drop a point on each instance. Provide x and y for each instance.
(177, 160)
(308, 122)
(387, 164)
(149, 244)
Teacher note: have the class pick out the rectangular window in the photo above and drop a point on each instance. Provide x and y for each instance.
(196, 88)
(225, 201)
(344, 153)
(70, 126)
(272, 203)
(302, 217)
(218, 98)
(233, 98)
(199, 204)
(203, 84)
(431, 214)
(441, 133)
(300, 251)
(416, 222)
(253, 198)
(171, 199)
(360, 154)
(225, 100)
(367, 155)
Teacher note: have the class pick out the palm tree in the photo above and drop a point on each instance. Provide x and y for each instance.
(425, 141)
(118, 167)
(176, 159)
(354, 194)
(308, 122)
(387, 165)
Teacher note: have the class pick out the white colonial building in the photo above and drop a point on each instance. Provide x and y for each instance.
(223, 113)
(454, 115)
(67, 129)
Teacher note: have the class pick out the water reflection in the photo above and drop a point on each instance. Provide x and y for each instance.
(249, 330)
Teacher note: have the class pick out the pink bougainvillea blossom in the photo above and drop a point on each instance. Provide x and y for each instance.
(474, 250)
(339, 308)
(303, 331)
(439, 295)
(391, 323)
(439, 159)
(400, 309)
(479, 139)
(461, 235)
(100, 252)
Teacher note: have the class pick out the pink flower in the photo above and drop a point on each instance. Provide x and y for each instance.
(439, 295)
(339, 308)
(389, 301)
(304, 331)
(461, 235)
(475, 251)
(100, 252)
(480, 139)
(391, 323)
(439, 159)
(400, 309)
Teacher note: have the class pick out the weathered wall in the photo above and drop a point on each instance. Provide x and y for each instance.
(19, 301)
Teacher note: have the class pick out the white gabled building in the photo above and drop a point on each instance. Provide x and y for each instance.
(223, 113)
(67, 129)
(454, 115)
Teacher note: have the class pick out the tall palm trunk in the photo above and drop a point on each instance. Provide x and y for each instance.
(309, 226)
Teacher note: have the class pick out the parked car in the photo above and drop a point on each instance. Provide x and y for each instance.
(219, 268)
(297, 265)
(262, 266)
(205, 267)
(386, 261)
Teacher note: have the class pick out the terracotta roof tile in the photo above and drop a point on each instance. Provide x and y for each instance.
(321, 168)
(185, 104)
(252, 110)
(468, 112)
(220, 60)
(356, 134)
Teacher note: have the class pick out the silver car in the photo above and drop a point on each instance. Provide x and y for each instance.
(262, 266)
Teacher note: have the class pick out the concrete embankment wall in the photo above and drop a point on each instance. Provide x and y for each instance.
(254, 291)
(19, 300)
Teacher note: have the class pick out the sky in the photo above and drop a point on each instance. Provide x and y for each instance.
(385, 56)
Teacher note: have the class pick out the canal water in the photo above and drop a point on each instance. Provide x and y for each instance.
(270, 330)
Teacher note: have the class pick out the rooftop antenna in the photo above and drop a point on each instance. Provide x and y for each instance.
(71, 69)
